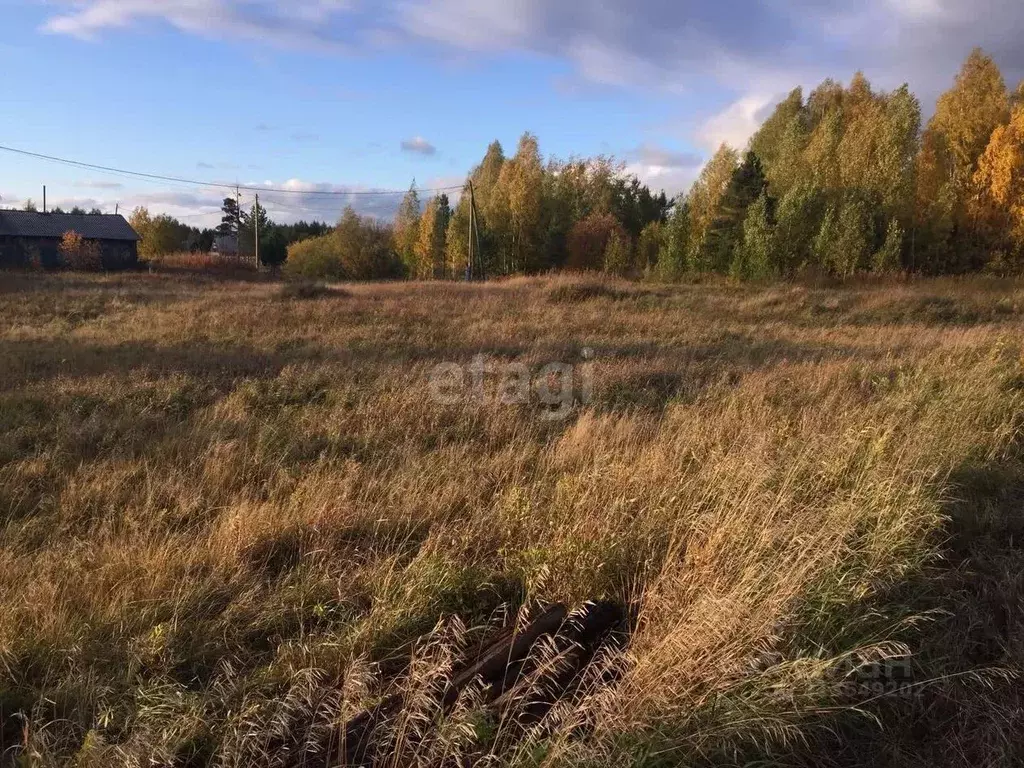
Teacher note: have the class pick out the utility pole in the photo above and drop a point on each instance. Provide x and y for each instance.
(238, 224)
(44, 198)
(256, 227)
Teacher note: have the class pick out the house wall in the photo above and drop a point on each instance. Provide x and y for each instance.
(25, 252)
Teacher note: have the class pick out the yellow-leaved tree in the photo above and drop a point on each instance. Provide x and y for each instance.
(997, 206)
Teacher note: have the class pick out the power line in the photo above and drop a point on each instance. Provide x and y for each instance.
(179, 180)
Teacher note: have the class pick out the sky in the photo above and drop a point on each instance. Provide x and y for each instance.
(357, 96)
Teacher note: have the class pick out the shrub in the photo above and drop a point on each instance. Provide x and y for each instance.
(357, 249)
(588, 240)
(576, 292)
(78, 253)
(618, 254)
(308, 289)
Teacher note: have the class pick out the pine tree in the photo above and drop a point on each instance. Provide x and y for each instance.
(746, 185)
(231, 219)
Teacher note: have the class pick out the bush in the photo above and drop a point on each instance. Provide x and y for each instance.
(307, 289)
(357, 249)
(588, 240)
(618, 254)
(78, 253)
(576, 292)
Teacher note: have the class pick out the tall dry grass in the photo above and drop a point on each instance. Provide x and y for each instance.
(228, 511)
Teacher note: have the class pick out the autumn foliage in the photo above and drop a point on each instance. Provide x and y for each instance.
(79, 253)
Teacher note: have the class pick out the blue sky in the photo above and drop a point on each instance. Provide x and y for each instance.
(369, 94)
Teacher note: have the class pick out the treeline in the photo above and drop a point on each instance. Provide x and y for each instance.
(841, 181)
(163, 234)
(845, 181)
(532, 216)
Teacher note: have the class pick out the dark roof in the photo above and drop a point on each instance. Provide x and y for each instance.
(91, 226)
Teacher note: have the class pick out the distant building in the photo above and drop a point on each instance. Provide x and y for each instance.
(25, 235)
(226, 245)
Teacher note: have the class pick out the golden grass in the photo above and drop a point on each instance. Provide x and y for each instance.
(223, 503)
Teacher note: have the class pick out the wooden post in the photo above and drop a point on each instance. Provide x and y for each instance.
(256, 228)
(238, 224)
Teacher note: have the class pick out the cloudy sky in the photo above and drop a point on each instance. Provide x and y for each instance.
(360, 95)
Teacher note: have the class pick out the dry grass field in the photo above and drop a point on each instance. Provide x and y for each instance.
(229, 507)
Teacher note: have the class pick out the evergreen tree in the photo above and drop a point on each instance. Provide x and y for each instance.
(746, 185)
(231, 219)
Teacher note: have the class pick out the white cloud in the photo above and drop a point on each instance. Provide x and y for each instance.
(736, 123)
(296, 23)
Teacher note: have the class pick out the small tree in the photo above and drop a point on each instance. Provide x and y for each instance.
(675, 243)
(588, 240)
(649, 246)
(618, 254)
(889, 258)
(753, 257)
(78, 253)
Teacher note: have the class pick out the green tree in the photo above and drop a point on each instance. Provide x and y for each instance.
(159, 235)
(618, 253)
(746, 185)
(754, 258)
(843, 245)
(523, 178)
(457, 238)
(780, 141)
(407, 224)
(889, 257)
(798, 216)
(232, 218)
(704, 200)
(433, 230)
(650, 245)
(672, 258)
(254, 221)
